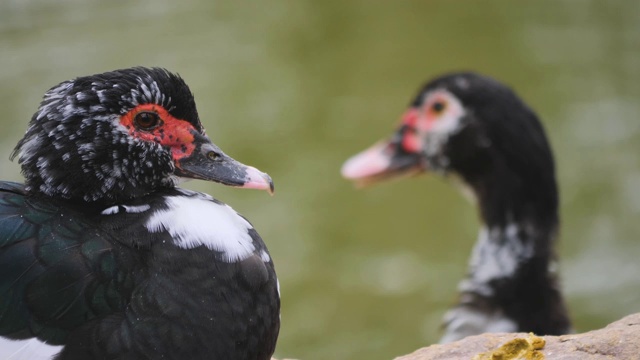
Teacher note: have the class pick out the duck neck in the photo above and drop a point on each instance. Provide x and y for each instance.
(510, 254)
(520, 221)
(512, 268)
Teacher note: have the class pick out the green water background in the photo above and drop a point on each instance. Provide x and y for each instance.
(295, 87)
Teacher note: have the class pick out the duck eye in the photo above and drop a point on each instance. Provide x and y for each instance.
(212, 155)
(147, 120)
(438, 107)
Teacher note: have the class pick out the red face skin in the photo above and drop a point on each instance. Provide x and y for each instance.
(170, 132)
(181, 138)
(419, 121)
(411, 142)
(402, 154)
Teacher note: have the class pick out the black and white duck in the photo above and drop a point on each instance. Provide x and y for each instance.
(103, 256)
(479, 130)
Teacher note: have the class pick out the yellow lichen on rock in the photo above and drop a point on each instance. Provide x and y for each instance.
(516, 349)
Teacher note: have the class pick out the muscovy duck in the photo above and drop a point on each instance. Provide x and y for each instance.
(478, 129)
(102, 256)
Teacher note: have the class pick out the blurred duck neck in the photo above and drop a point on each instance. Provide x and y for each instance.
(511, 283)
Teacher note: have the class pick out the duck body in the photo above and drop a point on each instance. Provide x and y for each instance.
(139, 273)
(127, 282)
(477, 129)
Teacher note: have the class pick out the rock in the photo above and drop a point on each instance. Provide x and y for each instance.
(619, 340)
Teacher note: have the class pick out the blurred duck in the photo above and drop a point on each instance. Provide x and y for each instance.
(478, 129)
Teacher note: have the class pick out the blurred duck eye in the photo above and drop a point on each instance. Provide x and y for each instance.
(438, 106)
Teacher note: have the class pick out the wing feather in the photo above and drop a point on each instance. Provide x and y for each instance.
(57, 271)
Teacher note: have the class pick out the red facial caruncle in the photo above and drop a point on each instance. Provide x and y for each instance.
(152, 122)
(417, 121)
(411, 142)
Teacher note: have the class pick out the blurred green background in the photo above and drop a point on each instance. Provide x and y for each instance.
(295, 87)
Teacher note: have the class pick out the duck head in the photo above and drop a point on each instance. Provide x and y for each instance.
(474, 127)
(123, 134)
(463, 123)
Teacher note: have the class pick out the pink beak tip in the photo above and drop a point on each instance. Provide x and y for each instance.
(256, 179)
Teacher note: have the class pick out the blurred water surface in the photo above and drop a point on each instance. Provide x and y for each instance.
(295, 87)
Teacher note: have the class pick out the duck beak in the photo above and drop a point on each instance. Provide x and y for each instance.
(397, 157)
(208, 162)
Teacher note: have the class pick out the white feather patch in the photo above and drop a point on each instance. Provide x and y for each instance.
(278, 286)
(448, 122)
(132, 209)
(264, 255)
(497, 254)
(195, 221)
(31, 349)
(136, 209)
(462, 322)
(110, 210)
(30, 147)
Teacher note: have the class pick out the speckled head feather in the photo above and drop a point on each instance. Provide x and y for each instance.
(77, 148)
